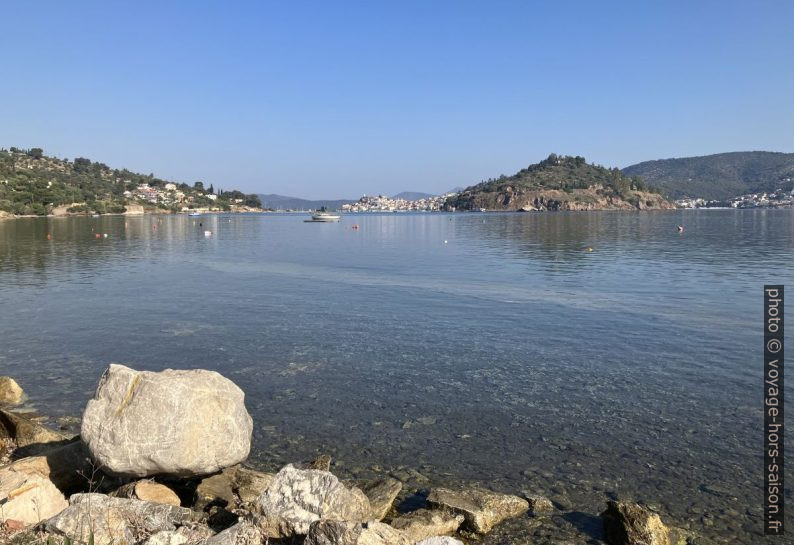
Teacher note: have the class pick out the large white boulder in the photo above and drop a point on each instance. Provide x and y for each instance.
(296, 498)
(177, 423)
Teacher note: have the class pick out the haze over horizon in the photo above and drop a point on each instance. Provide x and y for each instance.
(317, 100)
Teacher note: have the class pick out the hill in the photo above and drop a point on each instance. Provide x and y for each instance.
(32, 183)
(412, 196)
(719, 177)
(280, 202)
(560, 183)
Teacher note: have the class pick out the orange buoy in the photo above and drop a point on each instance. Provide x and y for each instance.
(97, 235)
(49, 236)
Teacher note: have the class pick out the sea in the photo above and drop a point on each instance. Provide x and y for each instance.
(583, 356)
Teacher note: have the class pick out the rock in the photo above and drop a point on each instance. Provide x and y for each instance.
(423, 523)
(167, 537)
(381, 494)
(322, 462)
(298, 497)
(335, 532)
(216, 490)
(439, 541)
(539, 504)
(115, 520)
(631, 524)
(67, 466)
(242, 533)
(249, 484)
(177, 423)
(147, 491)
(10, 392)
(27, 495)
(481, 509)
(30, 437)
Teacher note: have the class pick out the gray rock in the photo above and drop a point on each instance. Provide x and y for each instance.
(381, 494)
(631, 524)
(242, 533)
(481, 509)
(298, 497)
(167, 537)
(115, 520)
(424, 523)
(178, 423)
(335, 532)
(10, 392)
(440, 541)
(250, 484)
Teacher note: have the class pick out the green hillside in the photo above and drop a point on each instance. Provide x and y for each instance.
(560, 183)
(33, 183)
(719, 176)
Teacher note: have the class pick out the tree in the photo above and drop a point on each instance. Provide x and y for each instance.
(211, 190)
(253, 201)
(198, 186)
(36, 153)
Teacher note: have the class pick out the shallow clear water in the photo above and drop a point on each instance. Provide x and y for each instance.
(509, 354)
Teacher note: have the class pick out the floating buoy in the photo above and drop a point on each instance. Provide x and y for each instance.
(207, 233)
(680, 228)
(445, 242)
(49, 236)
(105, 235)
(589, 249)
(97, 235)
(355, 226)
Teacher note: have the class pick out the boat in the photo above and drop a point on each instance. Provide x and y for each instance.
(194, 214)
(324, 216)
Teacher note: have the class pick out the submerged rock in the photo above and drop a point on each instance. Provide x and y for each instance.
(424, 523)
(10, 392)
(147, 491)
(27, 495)
(115, 520)
(298, 497)
(336, 532)
(481, 509)
(381, 494)
(178, 423)
(631, 524)
(539, 504)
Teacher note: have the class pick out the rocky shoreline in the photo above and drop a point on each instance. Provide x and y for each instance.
(160, 460)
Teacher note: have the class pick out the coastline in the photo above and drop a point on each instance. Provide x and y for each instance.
(57, 484)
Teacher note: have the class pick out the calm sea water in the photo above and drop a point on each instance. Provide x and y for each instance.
(491, 348)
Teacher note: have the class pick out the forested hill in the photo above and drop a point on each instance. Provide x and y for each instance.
(720, 176)
(560, 183)
(33, 183)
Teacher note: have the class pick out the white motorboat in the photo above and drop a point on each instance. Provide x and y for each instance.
(323, 215)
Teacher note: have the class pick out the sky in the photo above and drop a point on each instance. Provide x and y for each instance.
(339, 99)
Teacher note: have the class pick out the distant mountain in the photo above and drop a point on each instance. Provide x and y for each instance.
(280, 202)
(719, 176)
(560, 183)
(412, 195)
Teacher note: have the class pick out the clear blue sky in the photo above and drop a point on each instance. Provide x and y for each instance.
(337, 99)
